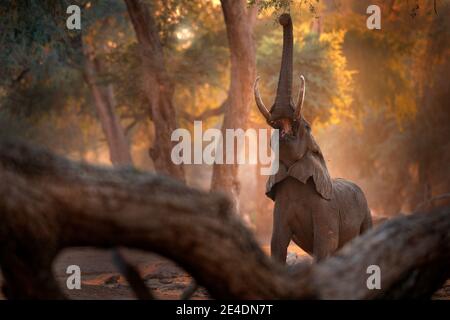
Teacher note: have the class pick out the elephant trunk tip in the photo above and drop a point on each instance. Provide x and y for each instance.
(282, 107)
(284, 19)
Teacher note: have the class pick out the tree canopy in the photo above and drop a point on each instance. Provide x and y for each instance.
(377, 99)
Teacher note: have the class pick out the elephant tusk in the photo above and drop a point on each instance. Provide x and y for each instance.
(300, 98)
(262, 108)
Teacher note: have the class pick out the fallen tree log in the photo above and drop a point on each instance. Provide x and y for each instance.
(48, 203)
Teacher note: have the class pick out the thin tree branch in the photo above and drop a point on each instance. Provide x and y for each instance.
(132, 275)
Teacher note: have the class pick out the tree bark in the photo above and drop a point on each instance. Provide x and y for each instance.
(119, 150)
(157, 86)
(48, 203)
(239, 21)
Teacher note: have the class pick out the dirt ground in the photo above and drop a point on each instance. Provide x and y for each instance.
(101, 279)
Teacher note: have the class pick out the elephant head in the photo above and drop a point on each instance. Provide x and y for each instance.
(298, 151)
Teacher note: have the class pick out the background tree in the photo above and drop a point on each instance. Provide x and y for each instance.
(239, 20)
(52, 57)
(399, 88)
(157, 86)
(376, 99)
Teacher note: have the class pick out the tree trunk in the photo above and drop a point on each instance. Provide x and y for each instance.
(157, 86)
(119, 154)
(48, 203)
(119, 151)
(239, 22)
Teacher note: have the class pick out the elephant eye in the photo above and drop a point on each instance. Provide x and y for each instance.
(307, 127)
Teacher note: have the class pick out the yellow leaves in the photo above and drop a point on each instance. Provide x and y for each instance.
(215, 2)
(343, 97)
(335, 39)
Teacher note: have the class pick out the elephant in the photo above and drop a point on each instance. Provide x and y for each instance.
(317, 213)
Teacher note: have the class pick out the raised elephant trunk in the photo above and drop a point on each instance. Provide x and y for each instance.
(283, 112)
(283, 107)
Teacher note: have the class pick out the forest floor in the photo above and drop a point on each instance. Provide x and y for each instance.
(101, 279)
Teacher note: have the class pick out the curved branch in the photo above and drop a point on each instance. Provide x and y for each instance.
(48, 203)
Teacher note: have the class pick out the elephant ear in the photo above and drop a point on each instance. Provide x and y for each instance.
(313, 165)
(274, 179)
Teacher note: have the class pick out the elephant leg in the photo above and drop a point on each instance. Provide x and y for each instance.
(326, 235)
(281, 236)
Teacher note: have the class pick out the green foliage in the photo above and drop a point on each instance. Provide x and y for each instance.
(42, 62)
(203, 61)
(380, 97)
